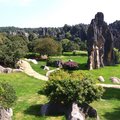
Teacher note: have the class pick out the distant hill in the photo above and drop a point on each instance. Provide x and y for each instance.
(73, 33)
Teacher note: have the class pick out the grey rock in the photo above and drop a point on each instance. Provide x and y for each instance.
(75, 113)
(6, 114)
(115, 80)
(99, 43)
(101, 79)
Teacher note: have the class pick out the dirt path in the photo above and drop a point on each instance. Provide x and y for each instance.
(109, 86)
(25, 66)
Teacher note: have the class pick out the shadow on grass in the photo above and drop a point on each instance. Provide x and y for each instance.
(36, 111)
(113, 115)
(83, 66)
(111, 93)
(33, 110)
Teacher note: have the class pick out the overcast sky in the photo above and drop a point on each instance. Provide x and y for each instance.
(55, 13)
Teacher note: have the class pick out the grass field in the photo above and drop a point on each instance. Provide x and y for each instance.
(28, 103)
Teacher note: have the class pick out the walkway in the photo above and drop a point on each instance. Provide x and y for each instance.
(109, 86)
(25, 66)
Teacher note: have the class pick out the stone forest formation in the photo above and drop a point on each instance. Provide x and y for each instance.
(99, 43)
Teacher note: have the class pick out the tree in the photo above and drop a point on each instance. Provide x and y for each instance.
(71, 46)
(12, 49)
(69, 91)
(47, 46)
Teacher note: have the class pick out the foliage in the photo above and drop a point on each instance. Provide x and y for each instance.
(7, 95)
(68, 91)
(53, 62)
(70, 65)
(32, 55)
(12, 49)
(71, 46)
(59, 75)
(117, 56)
(47, 46)
(75, 75)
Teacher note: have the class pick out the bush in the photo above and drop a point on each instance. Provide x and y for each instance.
(68, 91)
(59, 75)
(70, 65)
(7, 95)
(32, 55)
(54, 63)
(79, 75)
(117, 56)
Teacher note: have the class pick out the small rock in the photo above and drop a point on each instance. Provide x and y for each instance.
(115, 80)
(101, 79)
(46, 68)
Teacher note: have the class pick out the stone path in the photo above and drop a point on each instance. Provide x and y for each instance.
(109, 86)
(25, 66)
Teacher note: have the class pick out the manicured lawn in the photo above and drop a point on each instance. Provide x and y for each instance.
(28, 103)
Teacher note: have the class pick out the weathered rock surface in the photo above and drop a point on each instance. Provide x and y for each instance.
(115, 80)
(72, 112)
(99, 43)
(101, 79)
(9, 70)
(6, 114)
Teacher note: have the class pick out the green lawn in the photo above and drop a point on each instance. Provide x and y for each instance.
(28, 103)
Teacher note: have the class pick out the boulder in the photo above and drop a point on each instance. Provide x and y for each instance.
(115, 80)
(99, 43)
(101, 79)
(6, 114)
(46, 68)
(71, 112)
(74, 113)
(1, 69)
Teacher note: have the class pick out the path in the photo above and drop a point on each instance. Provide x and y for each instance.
(25, 66)
(109, 86)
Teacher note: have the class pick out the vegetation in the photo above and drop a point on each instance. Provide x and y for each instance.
(117, 56)
(7, 95)
(70, 65)
(68, 91)
(47, 46)
(12, 48)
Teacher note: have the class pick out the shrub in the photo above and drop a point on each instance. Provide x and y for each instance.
(68, 91)
(32, 55)
(117, 56)
(54, 63)
(7, 95)
(79, 75)
(59, 75)
(70, 65)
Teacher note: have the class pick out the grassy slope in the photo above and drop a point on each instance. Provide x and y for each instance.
(28, 103)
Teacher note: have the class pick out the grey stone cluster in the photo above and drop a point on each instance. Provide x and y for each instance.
(99, 43)
(8, 70)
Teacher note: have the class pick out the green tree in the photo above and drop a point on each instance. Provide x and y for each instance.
(47, 46)
(12, 49)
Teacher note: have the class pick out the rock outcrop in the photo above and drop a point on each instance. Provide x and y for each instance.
(6, 114)
(99, 43)
(71, 112)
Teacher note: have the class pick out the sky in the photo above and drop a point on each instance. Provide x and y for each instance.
(55, 13)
